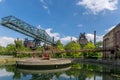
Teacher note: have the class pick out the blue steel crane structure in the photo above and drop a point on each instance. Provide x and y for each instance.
(27, 29)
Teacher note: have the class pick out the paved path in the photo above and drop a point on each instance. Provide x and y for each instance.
(40, 61)
(1, 56)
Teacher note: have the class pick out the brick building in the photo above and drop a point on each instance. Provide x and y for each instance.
(111, 40)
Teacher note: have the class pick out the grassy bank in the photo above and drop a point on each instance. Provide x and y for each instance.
(7, 60)
(95, 61)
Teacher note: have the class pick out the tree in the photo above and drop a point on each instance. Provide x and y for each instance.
(90, 45)
(18, 44)
(20, 47)
(98, 44)
(73, 46)
(2, 50)
(10, 49)
(59, 46)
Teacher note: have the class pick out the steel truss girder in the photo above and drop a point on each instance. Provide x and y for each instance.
(26, 29)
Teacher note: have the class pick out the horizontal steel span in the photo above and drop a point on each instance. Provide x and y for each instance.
(27, 29)
(64, 51)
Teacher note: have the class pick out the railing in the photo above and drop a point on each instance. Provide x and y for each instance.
(66, 51)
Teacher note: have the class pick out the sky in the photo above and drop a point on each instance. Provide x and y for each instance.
(62, 19)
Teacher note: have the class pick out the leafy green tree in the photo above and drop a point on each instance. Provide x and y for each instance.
(20, 47)
(18, 44)
(10, 49)
(59, 46)
(90, 45)
(39, 48)
(2, 50)
(98, 44)
(73, 46)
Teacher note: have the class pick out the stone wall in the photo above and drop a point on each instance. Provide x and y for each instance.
(111, 40)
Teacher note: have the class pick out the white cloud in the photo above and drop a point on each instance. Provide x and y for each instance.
(96, 6)
(42, 1)
(91, 37)
(39, 27)
(45, 6)
(55, 35)
(64, 76)
(3, 73)
(109, 29)
(9, 40)
(80, 25)
(6, 40)
(67, 39)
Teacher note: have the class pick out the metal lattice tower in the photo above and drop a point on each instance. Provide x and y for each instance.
(27, 29)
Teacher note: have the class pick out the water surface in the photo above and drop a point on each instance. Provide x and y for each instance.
(76, 71)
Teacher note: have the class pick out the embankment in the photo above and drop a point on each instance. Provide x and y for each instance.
(106, 62)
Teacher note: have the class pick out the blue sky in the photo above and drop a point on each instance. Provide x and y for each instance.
(62, 19)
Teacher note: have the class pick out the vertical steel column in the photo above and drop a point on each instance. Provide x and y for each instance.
(95, 38)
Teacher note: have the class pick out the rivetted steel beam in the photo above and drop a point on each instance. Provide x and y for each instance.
(26, 29)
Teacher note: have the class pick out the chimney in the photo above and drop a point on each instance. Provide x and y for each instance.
(94, 37)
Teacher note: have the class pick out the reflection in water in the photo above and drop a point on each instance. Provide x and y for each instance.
(43, 71)
(76, 72)
(3, 73)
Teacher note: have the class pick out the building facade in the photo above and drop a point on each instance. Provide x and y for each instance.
(111, 40)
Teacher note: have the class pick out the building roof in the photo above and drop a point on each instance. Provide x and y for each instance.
(111, 30)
